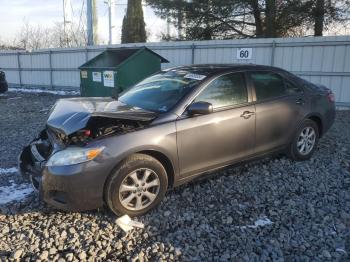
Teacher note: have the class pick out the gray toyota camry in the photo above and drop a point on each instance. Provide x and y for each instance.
(168, 129)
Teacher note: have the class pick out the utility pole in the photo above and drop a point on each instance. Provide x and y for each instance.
(64, 20)
(111, 6)
(95, 22)
(110, 21)
(67, 20)
(92, 22)
(90, 28)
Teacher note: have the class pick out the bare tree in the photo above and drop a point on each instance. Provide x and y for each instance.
(72, 38)
(8, 45)
(34, 37)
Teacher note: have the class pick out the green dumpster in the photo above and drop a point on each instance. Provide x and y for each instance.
(114, 70)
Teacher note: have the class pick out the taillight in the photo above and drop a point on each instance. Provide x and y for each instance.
(330, 96)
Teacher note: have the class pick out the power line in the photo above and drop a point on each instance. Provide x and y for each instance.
(81, 14)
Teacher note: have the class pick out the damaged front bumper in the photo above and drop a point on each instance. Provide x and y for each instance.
(75, 187)
(31, 162)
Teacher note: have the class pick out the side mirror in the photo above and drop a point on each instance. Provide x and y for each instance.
(200, 108)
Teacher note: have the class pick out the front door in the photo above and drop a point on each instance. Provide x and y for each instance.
(216, 139)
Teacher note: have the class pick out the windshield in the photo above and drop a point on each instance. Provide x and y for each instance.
(161, 92)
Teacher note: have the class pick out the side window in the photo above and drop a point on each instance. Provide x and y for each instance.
(267, 85)
(291, 88)
(226, 90)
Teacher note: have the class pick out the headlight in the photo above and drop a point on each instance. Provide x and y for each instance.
(74, 155)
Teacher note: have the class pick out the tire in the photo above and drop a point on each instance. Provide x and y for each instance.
(128, 191)
(295, 149)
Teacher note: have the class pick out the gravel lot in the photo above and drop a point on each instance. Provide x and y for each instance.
(273, 209)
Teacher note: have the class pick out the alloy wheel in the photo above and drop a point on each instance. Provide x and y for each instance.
(306, 140)
(139, 189)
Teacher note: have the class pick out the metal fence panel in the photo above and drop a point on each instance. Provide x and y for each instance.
(12, 76)
(35, 78)
(35, 60)
(69, 61)
(324, 60)
(66, 79)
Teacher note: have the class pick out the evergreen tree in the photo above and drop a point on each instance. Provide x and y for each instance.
(133, 29)
(225, 19)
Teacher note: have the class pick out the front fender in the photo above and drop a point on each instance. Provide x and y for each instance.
(159, 138)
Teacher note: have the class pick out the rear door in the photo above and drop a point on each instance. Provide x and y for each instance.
(280, 106)
(212, 140)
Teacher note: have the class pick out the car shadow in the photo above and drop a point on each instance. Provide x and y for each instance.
(32, 204)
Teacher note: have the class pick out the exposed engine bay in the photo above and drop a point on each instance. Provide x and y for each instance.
(50, 140)
(97, 127)
(78, 121)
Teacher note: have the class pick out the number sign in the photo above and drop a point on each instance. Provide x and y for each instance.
(244, 53)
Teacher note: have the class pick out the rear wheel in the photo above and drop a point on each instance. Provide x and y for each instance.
(305, 141)
(138, 185)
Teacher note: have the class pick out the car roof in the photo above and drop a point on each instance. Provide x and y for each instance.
(213, 69)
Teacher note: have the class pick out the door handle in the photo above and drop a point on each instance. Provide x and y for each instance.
(247, 114)
(299, 101)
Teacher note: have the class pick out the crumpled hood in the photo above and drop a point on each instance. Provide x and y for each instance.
(72, 114)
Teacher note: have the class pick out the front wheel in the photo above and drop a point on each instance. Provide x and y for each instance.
(137, 186)
(305, 141)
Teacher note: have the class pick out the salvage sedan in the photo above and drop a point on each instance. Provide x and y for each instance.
(168, 129)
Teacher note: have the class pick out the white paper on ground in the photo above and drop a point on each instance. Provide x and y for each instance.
(127, 224)
(264, 221)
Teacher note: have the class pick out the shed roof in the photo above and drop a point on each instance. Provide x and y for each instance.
(114, 57)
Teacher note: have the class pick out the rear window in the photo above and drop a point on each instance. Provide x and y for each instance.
(292, 88)
(267, 85)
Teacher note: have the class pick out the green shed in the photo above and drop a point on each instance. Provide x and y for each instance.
(114, 70)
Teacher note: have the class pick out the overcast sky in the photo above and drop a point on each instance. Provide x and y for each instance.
(13, 14)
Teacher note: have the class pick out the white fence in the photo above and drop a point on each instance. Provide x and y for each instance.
(324, 60)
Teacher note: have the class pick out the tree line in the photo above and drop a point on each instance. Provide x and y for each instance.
(34, 37)
(226, 19)
(203, 20)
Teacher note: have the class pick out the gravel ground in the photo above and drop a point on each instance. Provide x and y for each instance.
(273, 209)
